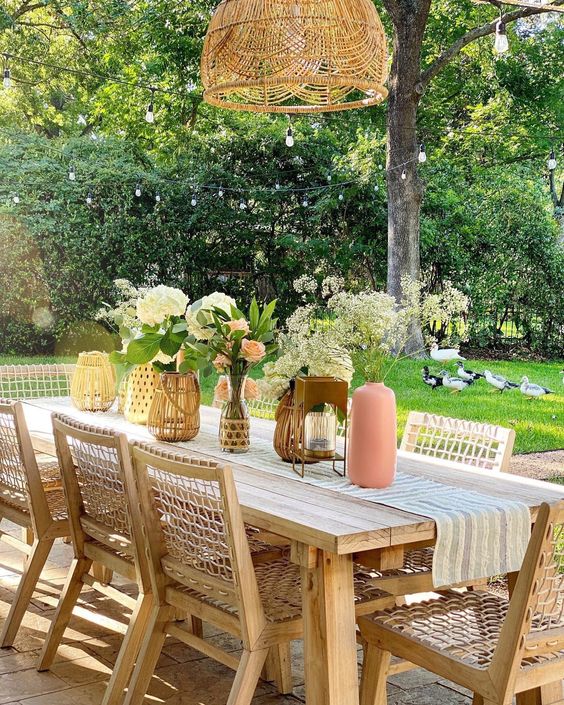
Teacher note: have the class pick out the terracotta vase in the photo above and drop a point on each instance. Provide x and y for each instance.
(372, 447)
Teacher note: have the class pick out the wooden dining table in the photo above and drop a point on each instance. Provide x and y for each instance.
(327, 531)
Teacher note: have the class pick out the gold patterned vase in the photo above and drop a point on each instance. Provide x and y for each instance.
(141, 386)
(235, 425)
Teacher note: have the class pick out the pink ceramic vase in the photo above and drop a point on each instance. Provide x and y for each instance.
(372, 447)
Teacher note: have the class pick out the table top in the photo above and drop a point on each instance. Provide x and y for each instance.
(316, 516)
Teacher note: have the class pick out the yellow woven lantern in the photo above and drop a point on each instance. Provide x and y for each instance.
(93, 382)
(294, 56)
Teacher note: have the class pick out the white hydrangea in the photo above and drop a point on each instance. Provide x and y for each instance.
(209, 302)
(159, 303)
(306, 284)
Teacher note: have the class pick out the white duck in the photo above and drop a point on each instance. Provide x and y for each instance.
(454, 383)
(498, 381)
(533, 390)
(446, 354)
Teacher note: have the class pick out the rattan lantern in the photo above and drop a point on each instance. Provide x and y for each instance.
(294, 56)
(93, 383)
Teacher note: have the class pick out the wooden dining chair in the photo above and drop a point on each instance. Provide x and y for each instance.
(494, 646)
(31, 497)
(200, 562)
(455, 443)
(105, 526)
(35, 381)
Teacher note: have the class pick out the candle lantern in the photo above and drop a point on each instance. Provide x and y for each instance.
(316, 403)
(93, 383)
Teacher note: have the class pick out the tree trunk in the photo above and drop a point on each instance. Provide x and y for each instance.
(404, 195)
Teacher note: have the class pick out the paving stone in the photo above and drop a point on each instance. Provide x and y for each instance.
(83, 670)
(413, 679)
(432, 694)
(80, 695)
(25, 684)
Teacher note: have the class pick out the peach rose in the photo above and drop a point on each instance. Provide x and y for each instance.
(252, 390)
(221, 362)
(221, 391)
(252, 350)
(239, 324)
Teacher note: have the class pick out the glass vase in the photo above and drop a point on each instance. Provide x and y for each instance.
(234, 425)
(320, 434)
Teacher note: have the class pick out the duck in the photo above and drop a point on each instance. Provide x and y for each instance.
(467, 375)
(533, 390)
(446, 354)
(432, 380)
(498, 381)
(454, 383)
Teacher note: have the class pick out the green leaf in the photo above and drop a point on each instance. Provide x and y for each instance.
(254, 314)
(116, 357)
(143, 349)
(179, 327)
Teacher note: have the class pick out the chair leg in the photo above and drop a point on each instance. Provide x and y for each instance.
(543, 695)
(101, 573)
(27, 535)
(67, 601)
(247, 676)
(278, 667)
(30, 575)
(129, 649)
(374, 676)
(197, 626)
(153, 640)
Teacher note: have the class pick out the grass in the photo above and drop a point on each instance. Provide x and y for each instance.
(539, 424)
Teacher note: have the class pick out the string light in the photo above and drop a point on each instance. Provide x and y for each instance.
(289, 137)
(158, 197)
(7, 82)
(501, 45)
(242, 204)
(277, 187)
(194, 201)
(552, 161)
(220, 192)
(138, 190)
(72, 174)
(305, 202)
(404, 175)
(150, 114)
(89, 198)
(422, 157)
(341, 196)
(16, 199)
(376, 187)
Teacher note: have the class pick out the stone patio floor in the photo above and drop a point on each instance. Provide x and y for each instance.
(183, 676)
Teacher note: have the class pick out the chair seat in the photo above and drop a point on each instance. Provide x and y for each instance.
(279, 584)
(50, 471)
(18, 500)
(464, 626)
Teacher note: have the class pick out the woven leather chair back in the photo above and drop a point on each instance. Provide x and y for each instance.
(458, 441)
(35, 381)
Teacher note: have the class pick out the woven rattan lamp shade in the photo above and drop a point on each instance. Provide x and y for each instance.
(294, 56)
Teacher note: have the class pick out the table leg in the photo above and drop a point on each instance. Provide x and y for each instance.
(544, 695)
(330, 652)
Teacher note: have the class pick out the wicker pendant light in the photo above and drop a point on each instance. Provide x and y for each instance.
(294, 56)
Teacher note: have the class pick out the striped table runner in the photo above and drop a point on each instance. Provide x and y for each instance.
(478, 536)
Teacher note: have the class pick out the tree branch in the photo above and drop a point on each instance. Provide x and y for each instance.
(449, 54)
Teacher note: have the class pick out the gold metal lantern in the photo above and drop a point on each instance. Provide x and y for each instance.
(294, 56)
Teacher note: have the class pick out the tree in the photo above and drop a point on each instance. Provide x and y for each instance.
(408, 81)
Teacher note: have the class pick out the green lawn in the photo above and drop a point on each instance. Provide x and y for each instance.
(539, 424)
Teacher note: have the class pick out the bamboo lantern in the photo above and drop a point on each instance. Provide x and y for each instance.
(175, 411)
(303, 56)
(93, 382)
(141, 385)
(283, 439)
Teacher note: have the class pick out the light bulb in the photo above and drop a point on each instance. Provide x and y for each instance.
(552, 161)
(277, 187)
(220, 193)
(7, 80)
(501, 44)
(16, 199)
(194, 201)
(138, 190)
(341, 197)
(89, 199)
(158, 198)
(422, 154)
(305, 203)
(72, 174)
(242, 205)
(329, 177)
(404, 175)
(150, 115)
(376, 187)
(289, 137)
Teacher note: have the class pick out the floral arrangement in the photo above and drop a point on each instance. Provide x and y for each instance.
(232, 341)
